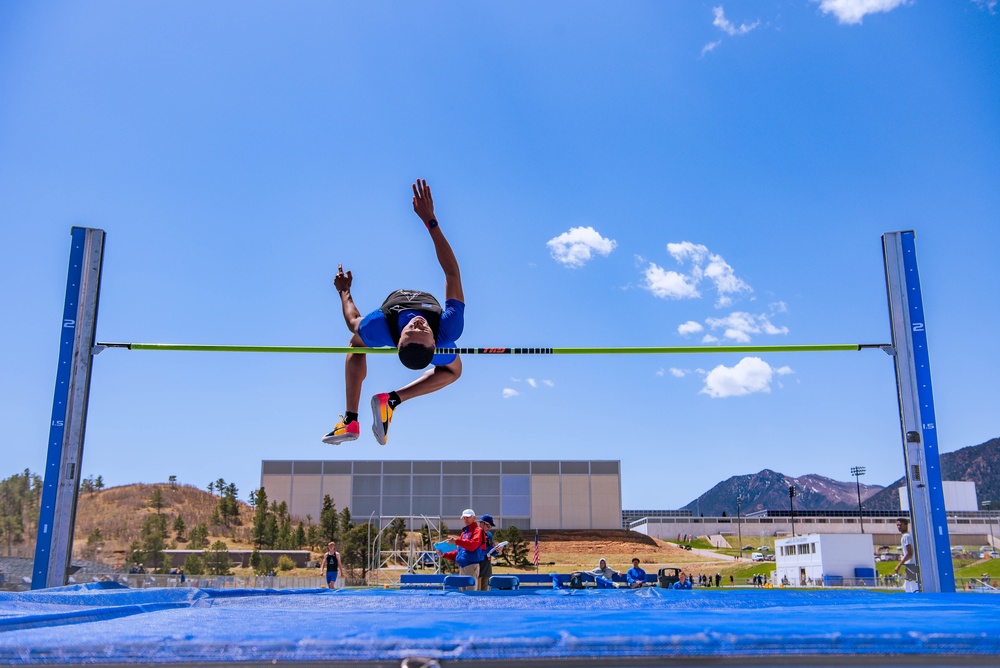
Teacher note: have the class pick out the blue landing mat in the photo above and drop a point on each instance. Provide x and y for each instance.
(90, 624)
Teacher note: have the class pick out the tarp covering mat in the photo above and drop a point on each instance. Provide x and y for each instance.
(94, 624)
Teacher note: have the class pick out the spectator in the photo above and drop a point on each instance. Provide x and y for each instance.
(469, 552)
(486, 565)
(907, 563)
(635, 576)
(718, 579)
(682, 582)
(602, 575)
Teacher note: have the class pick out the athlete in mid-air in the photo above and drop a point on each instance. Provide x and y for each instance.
(414, 322)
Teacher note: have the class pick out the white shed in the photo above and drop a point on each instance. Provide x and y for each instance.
(817, 559)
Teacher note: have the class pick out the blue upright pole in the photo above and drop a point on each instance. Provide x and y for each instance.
(54, 546)
(929, 523)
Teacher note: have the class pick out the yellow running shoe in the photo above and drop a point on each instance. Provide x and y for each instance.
(382, 413)
(343, 432)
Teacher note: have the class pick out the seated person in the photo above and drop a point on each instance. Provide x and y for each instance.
(635, 576)
(682, 582)
(602, 575)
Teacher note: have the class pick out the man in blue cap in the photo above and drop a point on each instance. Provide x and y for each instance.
(486, 565)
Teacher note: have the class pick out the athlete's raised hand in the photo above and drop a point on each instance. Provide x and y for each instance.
(342, 281)
(423, 203)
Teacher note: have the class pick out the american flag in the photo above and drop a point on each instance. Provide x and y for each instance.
(534, 556)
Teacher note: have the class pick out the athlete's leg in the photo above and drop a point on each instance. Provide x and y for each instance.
(432, 380)
(355, 371)
(384, 404)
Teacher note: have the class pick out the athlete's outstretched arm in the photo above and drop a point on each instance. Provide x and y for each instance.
(423, 206)
(342, 282)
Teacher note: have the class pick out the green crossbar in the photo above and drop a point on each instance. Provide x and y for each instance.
(652, 350)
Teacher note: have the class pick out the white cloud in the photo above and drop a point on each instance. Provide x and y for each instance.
(678, 373)
(576, 247)
(726, 26)
(988, 5)
(703, 265)
(749, 376)
(660, 373)
(719, 272)
(686, 250)
(737, 335)
(689, 327)
(669, 284)
(778, 307)
(533, 383)
(784, 371)
(739, 325)
(708, 338)
(710, 47)
(852, 11)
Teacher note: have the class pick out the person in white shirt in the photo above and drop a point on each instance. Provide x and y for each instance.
(907, 562)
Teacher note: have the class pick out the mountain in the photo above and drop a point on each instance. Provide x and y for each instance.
(977, 463)
(768, 490)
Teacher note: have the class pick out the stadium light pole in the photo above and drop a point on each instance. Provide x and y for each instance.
(791, 505)
(989, 520)
(857, 472)
(739, 526)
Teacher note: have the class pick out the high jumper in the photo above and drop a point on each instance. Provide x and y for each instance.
(412, 321)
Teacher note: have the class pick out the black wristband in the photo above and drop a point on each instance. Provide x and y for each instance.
(432, 223)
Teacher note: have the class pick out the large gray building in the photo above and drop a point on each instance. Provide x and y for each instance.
(527, 494)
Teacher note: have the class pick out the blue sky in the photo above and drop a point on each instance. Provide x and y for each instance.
(609, 174)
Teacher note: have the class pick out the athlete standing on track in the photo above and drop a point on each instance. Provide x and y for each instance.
(413, 322)
(331, 566)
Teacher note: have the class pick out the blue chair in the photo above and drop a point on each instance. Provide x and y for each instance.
(504, 582)
(459, 581)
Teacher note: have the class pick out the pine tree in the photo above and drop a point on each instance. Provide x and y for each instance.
(156, 501)
(173, 481)
(217, 561)
(153, 537)
(95, 541)
(12, 510)
(300, 537)
(517, 548)
(270, 539)
(346, 524)
(260, 513)
(329, 523)
(198, 538)
(179, 528)
(99, 483)
(194, 565)
(395, 532)
(135, 555)
(312, 537)
(354, 548)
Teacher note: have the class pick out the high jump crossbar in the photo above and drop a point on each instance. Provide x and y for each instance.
(650, 350)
